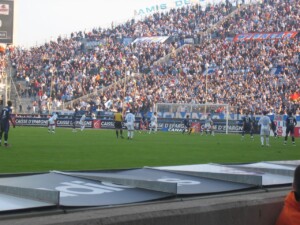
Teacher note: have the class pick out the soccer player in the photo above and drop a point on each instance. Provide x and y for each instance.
(143, 124)
(208, 126)
(51, 123)
(290, 126)
(274, 128)
(74, 119)
(265, 125)
(247, 126)
(82, 121)
(153, 123)
(130, 119)
(4, 122)
(187, 125)
(118, 118)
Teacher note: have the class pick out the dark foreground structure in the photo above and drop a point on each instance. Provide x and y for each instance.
(246, 208)
(209, 194)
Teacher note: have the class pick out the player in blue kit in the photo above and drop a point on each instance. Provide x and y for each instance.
(290, 126)
(247, 126)
(187, 125)
(5, 118)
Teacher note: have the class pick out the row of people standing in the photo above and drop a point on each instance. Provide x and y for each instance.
(129, 118)
(81, 121)
(266, 125)
(129, 123)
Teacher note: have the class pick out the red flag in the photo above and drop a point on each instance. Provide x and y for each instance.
(295, 97)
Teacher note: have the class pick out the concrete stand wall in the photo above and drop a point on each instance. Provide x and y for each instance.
(260, 207)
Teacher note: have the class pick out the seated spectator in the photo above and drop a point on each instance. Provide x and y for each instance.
(290, 214)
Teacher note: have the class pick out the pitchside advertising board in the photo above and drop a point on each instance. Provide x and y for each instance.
(169, 125)
(163, 125)
(6, 21)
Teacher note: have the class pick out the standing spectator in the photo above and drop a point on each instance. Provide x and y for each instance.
(290, 214)
(20, 108)
(290, 127)
(28, 108)
(5, 118)
(34, 105)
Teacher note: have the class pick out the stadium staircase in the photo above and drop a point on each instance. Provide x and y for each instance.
(13, 94)
(23, 101)
(219, 23)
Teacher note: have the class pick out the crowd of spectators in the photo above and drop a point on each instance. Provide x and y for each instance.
(65, 70)
(180, 23)
(241, 73)
(273, 16)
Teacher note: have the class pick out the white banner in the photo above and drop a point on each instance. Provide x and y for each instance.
(157, 39)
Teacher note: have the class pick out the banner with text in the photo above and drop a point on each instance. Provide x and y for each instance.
(265, 36)
(157, 39)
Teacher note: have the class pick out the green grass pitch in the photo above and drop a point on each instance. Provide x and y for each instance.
(35, 150)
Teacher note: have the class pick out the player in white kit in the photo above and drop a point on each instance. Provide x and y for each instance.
(82, 122)
(130, 119)
(208, 126)
(153, 124)
(265, 125)
(51, 123)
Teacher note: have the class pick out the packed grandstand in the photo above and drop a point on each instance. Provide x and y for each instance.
(245, 55)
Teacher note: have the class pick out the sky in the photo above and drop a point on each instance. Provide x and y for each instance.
(37, 21)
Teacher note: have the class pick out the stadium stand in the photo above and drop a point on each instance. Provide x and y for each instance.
(213, 69)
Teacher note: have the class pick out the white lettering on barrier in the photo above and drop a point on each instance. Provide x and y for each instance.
(179, 182)
(75, 188)
(21, 121)
(36, 122)
(106, 124)
(81, 188)
(63, 122)
(115, 185)
(31, 121)
(175, 130)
